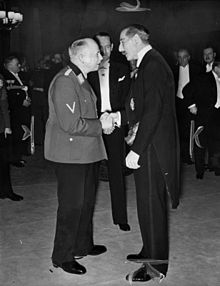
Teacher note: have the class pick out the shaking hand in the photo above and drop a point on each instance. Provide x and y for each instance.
(107, 123)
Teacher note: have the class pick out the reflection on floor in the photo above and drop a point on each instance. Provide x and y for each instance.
(27, 231)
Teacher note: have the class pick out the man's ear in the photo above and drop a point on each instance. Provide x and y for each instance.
(81, 58)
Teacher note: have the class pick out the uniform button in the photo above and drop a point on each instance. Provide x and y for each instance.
(71, 139)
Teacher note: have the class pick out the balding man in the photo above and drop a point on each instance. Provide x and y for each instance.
(73, 142)
(185, 71)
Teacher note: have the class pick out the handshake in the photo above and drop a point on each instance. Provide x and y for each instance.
(109, 121)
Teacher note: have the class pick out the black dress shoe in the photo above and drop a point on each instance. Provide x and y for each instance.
(139, 275)
(199, 176)
(97, 250)
(134, 257)
(72, 267)
(14, 197)
(124, 226)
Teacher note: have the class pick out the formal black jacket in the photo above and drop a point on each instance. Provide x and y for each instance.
(151, 102)
(19, 114)
(202, 91)
(119, 84)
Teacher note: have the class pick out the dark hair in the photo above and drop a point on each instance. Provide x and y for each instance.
(138, 29)
(209, 47)
(102, 34)
(9, 59)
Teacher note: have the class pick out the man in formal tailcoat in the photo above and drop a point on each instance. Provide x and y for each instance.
(202, 98)
(154, 154)
(73, 142)
(19, 106)
(6, 190)
(111, 85)
(185, 71)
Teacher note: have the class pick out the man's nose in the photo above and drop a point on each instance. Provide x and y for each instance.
(120, 48)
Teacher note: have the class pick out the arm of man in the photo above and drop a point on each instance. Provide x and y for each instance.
(67, 107)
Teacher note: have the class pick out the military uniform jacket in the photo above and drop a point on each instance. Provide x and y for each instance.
(152, 103)
(19, 114)
(73, 131)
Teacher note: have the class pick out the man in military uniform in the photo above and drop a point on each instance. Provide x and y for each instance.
(73, 141)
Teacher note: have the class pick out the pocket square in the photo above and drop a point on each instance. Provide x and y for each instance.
(121, 78)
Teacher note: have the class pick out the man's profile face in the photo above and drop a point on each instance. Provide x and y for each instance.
(92, 56)
(208, 55)
(127, 46)
(183, 58)
(105, 46)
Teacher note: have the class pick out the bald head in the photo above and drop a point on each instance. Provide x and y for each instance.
(85, 54)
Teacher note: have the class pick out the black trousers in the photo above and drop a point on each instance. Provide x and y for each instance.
(115, 148)
(76, 200)
(152, 209)
(5, 177)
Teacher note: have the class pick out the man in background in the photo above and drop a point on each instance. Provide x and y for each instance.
(185, 71)
(209, 57)
(111, 85)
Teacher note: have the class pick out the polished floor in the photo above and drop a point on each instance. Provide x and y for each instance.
(27, 231)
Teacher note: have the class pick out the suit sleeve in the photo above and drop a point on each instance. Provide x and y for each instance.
(153, 106)
(189, 92)
(68, 110)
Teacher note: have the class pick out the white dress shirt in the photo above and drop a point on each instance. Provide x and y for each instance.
(183, 80)
(209, 67)
(217, 79)
(104, 87)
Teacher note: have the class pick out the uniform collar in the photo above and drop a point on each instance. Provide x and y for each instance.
(75, 69)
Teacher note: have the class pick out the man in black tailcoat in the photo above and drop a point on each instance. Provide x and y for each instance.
(154, 154)
(185, 71)
(111, 85)
(19, 106)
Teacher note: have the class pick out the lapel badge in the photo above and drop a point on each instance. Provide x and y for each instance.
(132, 104)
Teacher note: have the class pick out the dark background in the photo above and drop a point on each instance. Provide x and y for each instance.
(50, 26)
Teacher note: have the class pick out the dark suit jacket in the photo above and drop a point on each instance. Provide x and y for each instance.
(202, 91)
(119, 83)
(19, 114)
(152, 104)
(4, 112)
(73, 131)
